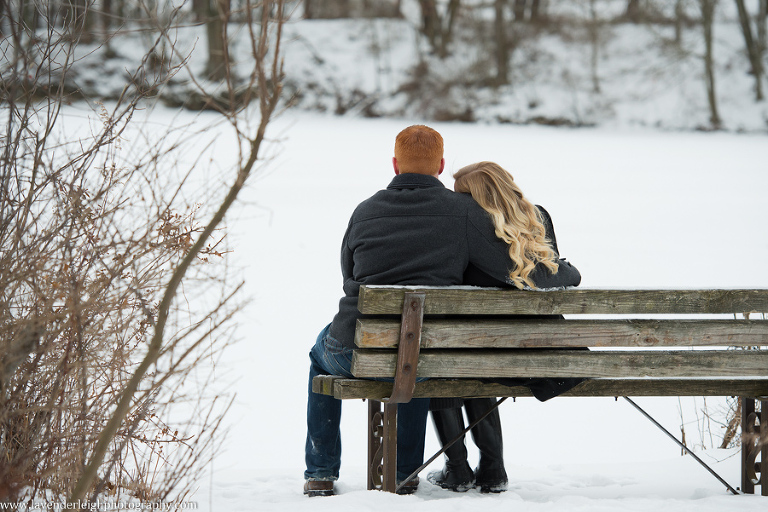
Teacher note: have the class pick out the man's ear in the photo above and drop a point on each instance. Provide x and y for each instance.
(442, 166)
(394, 165)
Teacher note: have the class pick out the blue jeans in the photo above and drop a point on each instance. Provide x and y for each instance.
(323, 447)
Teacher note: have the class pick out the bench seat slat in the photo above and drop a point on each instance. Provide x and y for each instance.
(343, 388)
(471, 363)
(485, 301)
(512, 333)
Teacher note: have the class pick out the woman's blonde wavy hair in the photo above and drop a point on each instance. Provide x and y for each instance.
(517, 221)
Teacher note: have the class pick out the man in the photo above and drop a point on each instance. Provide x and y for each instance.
(416, 232)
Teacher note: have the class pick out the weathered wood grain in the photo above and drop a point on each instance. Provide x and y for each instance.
(472, 363)
(491, 333)
(343, 388)
(489, 301)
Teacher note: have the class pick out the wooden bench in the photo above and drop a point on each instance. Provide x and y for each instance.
(457, 336)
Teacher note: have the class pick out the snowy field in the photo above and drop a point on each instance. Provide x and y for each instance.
(631, 209)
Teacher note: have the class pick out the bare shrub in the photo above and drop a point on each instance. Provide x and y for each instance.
(105, 381)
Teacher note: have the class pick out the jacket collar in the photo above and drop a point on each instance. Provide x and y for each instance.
(413, 180)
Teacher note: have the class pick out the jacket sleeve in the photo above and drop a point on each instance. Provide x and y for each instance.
(549, 228)
(347, 261)
(567, 274)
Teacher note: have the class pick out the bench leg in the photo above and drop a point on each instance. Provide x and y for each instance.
(747, 416)
(763, 447)
(754, 445)
(374, 444)
(382, 446)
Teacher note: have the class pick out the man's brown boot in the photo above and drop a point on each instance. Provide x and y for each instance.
(314, 488)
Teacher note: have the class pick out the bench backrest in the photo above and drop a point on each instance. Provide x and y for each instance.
(469, 332)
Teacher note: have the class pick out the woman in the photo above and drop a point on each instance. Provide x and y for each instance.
(528, 231)
(526, 228)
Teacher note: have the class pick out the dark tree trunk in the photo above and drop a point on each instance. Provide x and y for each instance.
(518, 9)
(106, 14)
(501, 43)
(594, 37)
(762, 25)
(447, 31)
(634, 11)
(31, 16)
(217, 68)
(679, 15)
(105, 20)
(708, 18)
(538, 13)
(437, 33)
(329, 9)
(53, 14)
(201, 10)
(119, 10)
(80, 18)
(753, 50)
(430, 21)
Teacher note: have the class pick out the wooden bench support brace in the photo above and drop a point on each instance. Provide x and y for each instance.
(382, 430)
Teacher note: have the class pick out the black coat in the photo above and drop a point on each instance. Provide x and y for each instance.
(476, 277)
(417, 232)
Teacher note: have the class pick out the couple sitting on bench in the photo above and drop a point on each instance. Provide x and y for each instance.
(417, 232)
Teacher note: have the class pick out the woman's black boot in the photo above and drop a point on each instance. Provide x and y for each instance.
(457, 475)
(490, 474)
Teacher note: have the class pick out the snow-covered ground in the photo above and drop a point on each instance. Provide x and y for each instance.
(631, 208)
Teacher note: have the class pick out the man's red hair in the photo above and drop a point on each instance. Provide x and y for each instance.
(419, 149)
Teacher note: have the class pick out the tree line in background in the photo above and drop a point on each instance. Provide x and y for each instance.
(515, 19)
(502, 24)
(99, 21)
